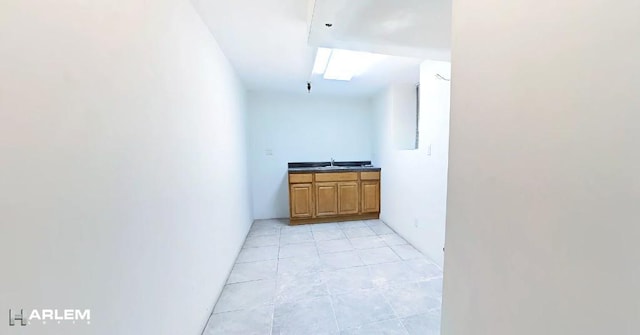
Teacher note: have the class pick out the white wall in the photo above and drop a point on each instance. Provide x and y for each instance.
(123, 179)
(300, 128)
(414, 182)
(404, 116)
(542, 218)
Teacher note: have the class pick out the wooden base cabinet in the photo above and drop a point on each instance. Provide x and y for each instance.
(348, 198)
(370, 196)
(334, 196)
(301, 201)
(326, 199)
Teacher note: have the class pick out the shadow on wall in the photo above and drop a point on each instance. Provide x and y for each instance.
(282, 198)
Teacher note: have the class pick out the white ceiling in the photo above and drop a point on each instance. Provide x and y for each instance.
(268, 41)
(413, 28)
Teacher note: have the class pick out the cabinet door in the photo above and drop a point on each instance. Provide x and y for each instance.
(370, 196)
(326, 199)
(301, 205)
(348, 197)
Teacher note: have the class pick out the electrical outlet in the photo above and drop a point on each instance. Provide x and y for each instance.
(269, 152)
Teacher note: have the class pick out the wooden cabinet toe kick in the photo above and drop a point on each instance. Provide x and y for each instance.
(338, 218)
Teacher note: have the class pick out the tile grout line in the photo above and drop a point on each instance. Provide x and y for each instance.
(235, 261)
(395, 232)
(273, 313)
(386, 299)
(333, 310)
(257, 280)
(379, 321)
(330, 295)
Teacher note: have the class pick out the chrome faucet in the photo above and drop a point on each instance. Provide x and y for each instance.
(332, 161)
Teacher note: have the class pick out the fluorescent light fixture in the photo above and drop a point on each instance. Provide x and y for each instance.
(322, 58)
(343, 64)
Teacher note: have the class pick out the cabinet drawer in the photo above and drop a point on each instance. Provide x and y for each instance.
(300, 178)
(337, 176)
(370, 175)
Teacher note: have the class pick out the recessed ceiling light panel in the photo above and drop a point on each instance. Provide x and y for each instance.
(322, 58)
(345, 64)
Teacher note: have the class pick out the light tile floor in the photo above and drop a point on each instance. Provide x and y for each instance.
(356, 277)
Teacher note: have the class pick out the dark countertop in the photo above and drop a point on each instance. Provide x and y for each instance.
(341, 169)
(322, 167)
